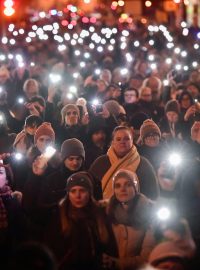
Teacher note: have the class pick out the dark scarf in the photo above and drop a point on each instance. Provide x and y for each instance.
(4, 191)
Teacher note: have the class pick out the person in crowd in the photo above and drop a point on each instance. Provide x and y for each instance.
(70, 125)
(129, 212)
(6, 138)
(12, 219)
(155, 84)
(195, 139)
(97, 140)
(122, 154)
(25, 139)
(30, 88)
(53, 187)
(130, 105)
(149, 142)
(79, 234)
(170, 125)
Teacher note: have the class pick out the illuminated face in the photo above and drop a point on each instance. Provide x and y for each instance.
(79, 196)
(31, 130)
(123, 189)
(3, 179)
(42, 142)
(146, 94)
(152, 139)
(193, 91)
(32, 90)
(71, 118)
(130, 97)
(195, 133)
(172, 117)
(122, 142)
(73, 163)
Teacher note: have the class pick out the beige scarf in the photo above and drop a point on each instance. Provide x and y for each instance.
(129, 162)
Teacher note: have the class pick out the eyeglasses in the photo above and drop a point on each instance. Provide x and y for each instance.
(71, 113)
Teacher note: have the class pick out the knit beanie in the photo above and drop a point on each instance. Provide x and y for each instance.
(113, 107)
(131, 176)
(149, 126)
(68, 107)
(172, 106)
(72, 147)
(44, 129)
(80, 179)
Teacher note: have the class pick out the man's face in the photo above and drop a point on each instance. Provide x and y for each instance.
(71, 118)
(130, 97)
(42, 142)
(146, 94)
(73, 163)
(172, 117)
(32, 90)
(122, 142)
(98, 138)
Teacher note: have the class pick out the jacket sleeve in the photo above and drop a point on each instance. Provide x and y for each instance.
(148, 180)
(129, 263)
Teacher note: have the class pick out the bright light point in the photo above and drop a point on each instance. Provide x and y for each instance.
(183, 53)
(19, 58)
(20, 100)
(55, 78)
(110, 48)
(100, 49)
(42, 14)
(73, 89)
(124, 71)
(2, 57)
(177, 50)
(151, 57)
(82, 64)
(69, 96)
(4, 40)
(75, 75)
(183, 24)
(77, 52)
(165, 82)
(49, 152)
(148, 3)
(194, 64)
(185, 32)
(1, 118)
(129, 58)
(153, 66)
(186, 68)
(95, 102)
(28, 39)
(32, 64)
(125, 33)
(170, 45)
(62, 48)
(151, 42)
(21, 64)
(10, 56)
(163, 213)
(178, 67)
(196, 46)
(86, 55)
(168, 61)
(136, 43)
(91, 46)
(18, 156)
(97, 71)
(12, 41)
(175, 159)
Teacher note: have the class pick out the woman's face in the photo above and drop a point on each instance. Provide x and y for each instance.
(185, 102)
(42, 142)
(3, 179)
(79, 196)
(124, 190)
(73, 163)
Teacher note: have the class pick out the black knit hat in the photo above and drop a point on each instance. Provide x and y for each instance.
(97, 123)
(72, 147)
(80, 179)
(172, 106)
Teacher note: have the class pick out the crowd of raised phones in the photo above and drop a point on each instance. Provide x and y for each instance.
(100, 151)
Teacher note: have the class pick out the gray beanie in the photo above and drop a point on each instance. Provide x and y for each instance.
(72, 147)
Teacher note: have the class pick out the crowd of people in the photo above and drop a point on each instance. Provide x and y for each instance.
(99, 146)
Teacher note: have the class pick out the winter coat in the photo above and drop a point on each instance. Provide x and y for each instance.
(78, 237)
(145, 172)
(132, 230)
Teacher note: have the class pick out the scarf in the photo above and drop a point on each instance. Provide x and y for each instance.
(129, 162)
(4, 191)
